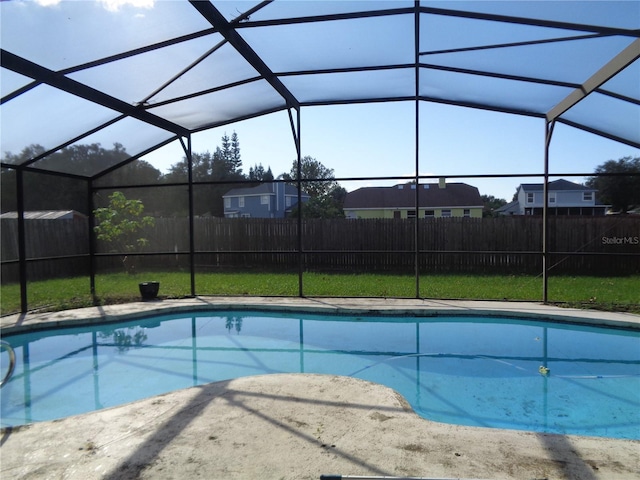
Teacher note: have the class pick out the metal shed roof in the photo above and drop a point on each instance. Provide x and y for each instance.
(46, 215)
(75, 73)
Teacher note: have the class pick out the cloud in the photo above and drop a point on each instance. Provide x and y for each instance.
(48, 3)
(110, 5)
(115, 5)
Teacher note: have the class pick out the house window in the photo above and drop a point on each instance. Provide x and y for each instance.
(411, 214)
(264, 199)
(241, 202)
(429, 213)
(530, 197)
(587, 196)
(245, 215)
(446, 212)
(466, 212)
(287, 201)
(227, 203)
(552, 198)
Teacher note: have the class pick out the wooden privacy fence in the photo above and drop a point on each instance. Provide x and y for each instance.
(64, 242)
(577, 245)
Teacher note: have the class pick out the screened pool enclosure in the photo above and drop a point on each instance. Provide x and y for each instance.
(104, 96)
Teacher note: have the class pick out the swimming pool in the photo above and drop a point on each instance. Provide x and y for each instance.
(491, 372)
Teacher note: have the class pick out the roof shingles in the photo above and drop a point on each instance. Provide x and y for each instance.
(403, 196)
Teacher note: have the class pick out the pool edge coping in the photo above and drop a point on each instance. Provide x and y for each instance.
(22, 323)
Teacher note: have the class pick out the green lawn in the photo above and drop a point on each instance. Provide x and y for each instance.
(611, 293)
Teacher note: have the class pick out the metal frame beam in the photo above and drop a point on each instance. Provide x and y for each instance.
(192, 243)
(598, 29)
(113, 58)
(44, 75)
(22, 243)
(581, 27)
(416, 233)
(92, 242)
(594, 131)
(228, 31)
(548, 133)
(618, 63)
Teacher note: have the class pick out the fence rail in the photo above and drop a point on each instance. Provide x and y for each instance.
(577, 245)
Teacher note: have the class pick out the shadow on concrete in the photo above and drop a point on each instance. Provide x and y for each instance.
(563, 454)
(151, 449)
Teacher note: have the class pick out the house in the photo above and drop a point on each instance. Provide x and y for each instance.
(435, 200)
(511, 208)
(565, 198)
(268, 200)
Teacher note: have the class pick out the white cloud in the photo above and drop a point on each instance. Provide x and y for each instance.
(110, 5)
(48, 3)
(115, 5)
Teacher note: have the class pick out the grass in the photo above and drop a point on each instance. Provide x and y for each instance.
(606, 293)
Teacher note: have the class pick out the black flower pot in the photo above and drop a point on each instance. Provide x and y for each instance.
(149, 290)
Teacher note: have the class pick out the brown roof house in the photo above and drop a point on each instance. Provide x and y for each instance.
(436, 200)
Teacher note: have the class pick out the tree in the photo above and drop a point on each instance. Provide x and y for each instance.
(119, 224)
(201, 165)
(324, 206)
(53, 192)
(258, 173)
(84, 159)
(327, 196)
(311, 169)
(491, 204)
(235, 161)
(138, 172)
(622, 191)
(226, 160)
(224, 165)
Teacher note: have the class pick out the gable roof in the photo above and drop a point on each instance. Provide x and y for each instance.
(560, 184)
(262, 189)
(403, 196)
(509, 207)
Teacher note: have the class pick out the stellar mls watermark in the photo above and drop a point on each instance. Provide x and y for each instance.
(621, 240)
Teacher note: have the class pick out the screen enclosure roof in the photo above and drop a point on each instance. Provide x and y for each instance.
(143, 73)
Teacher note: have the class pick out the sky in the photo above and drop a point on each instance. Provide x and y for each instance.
(364, 140)
(379, 140)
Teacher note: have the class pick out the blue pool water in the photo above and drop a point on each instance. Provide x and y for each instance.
(461, 370)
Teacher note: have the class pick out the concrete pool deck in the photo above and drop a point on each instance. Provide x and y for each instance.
(299, 426)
